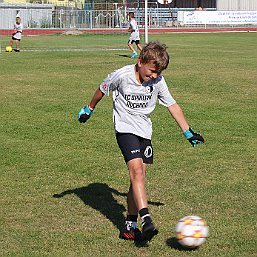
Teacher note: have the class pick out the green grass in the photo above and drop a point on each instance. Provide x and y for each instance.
(63, 184)
(71, 42)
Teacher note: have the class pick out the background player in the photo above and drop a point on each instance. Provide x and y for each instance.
(135, 90)
(16, 35)
(134, 35)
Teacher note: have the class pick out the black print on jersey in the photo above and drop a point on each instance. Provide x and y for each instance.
(138, 97)
(132, 101)
(137, 105)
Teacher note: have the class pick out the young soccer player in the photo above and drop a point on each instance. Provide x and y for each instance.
(16, 35)
(135, 91)
(134, 35)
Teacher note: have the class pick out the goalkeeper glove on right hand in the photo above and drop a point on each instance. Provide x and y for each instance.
(85, 113)
(193, 138)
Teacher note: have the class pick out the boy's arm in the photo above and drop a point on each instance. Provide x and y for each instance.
(86, 112)
(96, 98)
(179, 117)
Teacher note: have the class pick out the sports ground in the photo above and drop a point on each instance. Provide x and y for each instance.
(63, 184)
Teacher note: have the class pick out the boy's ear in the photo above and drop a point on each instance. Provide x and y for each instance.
(139, 62)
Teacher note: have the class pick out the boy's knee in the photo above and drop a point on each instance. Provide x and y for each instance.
(136, 174)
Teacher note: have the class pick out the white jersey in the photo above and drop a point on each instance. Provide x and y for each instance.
(19, 28)
(134, 102)
(135, 34)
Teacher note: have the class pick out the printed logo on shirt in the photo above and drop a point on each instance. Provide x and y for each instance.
(104, 86)
(149, 89)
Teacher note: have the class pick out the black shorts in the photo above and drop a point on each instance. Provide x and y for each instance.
(133, 41)
(13, 38)
(133, 146)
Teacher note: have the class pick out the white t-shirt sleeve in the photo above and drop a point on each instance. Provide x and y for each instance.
(110, 83)
(164, 96)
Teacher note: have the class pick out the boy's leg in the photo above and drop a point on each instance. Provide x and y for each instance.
(130, 231)
(137, 179)
(11, 42)
(132, 148)
(133, 50)
(17, 46)
(131, 47)
(132, 208)
(137, 171)
(139, 47)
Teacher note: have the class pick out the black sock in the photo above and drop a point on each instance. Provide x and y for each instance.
(131, 218)
(145, 216)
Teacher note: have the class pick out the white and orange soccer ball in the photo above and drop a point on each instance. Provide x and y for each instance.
(191, 231)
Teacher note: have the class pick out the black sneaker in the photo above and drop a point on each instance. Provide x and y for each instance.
(16, 50)
(148, 231)
(130, 233)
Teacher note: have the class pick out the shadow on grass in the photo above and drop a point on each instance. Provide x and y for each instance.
(124, 55)
(99, 196)
(173, 243)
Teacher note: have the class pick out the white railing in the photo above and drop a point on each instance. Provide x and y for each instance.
(45, 16)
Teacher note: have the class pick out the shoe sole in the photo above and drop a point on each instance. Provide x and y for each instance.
(148, 235)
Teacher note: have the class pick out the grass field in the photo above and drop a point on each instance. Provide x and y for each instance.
(63, 184)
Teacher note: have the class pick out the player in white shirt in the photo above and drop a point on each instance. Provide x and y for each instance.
(135, 91)
(16, 35)
(134, 35)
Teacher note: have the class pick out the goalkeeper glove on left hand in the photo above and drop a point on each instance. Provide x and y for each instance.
(85, 113)
(193, 138)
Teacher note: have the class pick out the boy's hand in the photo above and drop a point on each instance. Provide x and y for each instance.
(85, 113)
(193, 138)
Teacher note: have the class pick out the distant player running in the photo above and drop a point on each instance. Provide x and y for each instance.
(16, 35)
(134, 35)
(135, 91)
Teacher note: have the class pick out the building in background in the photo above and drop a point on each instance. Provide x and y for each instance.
(69, 3)
(81, 14)
(237, 5)
(229, 5)
(174, 4)
(32, 15)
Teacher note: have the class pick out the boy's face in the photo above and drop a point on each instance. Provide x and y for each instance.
(147, 71)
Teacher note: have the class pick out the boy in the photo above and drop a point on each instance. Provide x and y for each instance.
(136, 89)
(134, 35)
(16, 35)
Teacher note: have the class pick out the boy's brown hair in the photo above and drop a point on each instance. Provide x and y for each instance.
(156, 52)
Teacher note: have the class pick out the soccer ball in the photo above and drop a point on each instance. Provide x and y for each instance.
(191, 231)
(8, 49)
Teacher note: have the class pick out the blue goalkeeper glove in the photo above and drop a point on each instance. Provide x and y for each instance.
(85, 113)
(193, 137)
